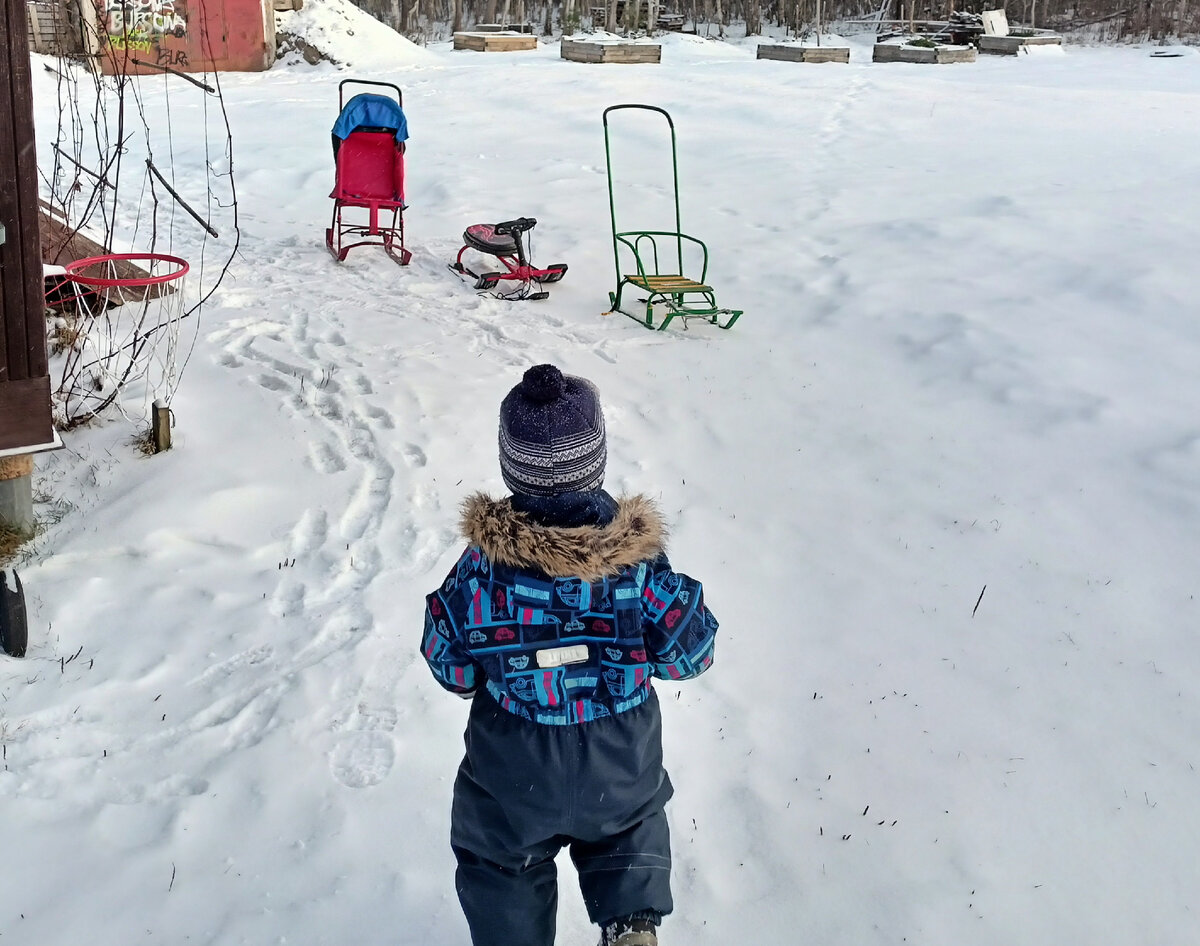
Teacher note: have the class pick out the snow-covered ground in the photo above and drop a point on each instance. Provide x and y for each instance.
(968, 361)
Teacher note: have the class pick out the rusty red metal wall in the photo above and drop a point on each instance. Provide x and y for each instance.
(186, 35)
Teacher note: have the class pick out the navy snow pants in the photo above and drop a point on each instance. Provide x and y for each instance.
(526, 790)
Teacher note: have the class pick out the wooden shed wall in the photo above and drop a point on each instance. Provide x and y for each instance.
(54, 28)
(25, 419)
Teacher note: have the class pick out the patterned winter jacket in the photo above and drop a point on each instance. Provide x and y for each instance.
(564, 624)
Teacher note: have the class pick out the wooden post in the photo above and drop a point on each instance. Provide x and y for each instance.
(160, 426)
(90, 25)
(36, 28)
(25, 417)
(20, 253)
(16, 493)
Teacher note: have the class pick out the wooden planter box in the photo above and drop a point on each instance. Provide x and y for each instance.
(1011, 45)
(890, 52)
(577, 51)
(494, 42)
(805, 53)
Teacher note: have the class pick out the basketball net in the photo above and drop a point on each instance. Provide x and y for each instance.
(117, 334)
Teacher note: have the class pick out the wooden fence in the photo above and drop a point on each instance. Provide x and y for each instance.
(54, 28)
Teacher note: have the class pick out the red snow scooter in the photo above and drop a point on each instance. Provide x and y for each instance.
(504, 241)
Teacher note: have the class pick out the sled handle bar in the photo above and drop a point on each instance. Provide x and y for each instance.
(386, 85)
(648, 108)
(513, 227)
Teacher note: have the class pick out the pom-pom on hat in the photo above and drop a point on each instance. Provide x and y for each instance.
(552, 434)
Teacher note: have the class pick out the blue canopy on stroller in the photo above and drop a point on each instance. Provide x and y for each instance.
(369, 110)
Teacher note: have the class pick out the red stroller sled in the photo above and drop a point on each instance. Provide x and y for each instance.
(368, 152)
(504, 241)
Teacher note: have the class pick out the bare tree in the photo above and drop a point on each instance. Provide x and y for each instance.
(1099, 20)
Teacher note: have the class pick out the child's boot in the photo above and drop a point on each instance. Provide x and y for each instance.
(629, 931)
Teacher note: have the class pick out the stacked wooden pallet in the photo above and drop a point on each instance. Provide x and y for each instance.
(892, 52)
(1012, 44)
(494, 42)
(1000, 39)
(577, 51)
(795, 53)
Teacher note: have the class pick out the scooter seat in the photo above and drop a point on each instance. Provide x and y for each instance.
(484, 238)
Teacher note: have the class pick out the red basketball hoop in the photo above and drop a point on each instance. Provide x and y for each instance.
(124, 269)
(114, 279)
(120, 315)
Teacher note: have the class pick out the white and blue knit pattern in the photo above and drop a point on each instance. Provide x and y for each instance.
(553, 446)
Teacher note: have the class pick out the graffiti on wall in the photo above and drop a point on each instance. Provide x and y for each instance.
(142, 26)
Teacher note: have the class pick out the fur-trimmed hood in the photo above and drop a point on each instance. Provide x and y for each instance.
(508, 537)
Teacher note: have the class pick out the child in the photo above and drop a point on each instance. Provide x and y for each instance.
(553, 621)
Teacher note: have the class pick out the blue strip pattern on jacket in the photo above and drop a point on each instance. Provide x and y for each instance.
(486, 625)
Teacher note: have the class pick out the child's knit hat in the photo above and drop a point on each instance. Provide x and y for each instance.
(552, 434)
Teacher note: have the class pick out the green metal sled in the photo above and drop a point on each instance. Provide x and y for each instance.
(682, 296)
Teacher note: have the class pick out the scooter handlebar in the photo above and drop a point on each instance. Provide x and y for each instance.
(513, 227)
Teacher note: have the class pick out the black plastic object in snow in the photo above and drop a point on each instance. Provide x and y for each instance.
(14, 627)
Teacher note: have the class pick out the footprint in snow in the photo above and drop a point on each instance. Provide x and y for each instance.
(414, 456)
(272, 382)
(366, 753)
(381, 417)
(325, 459)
